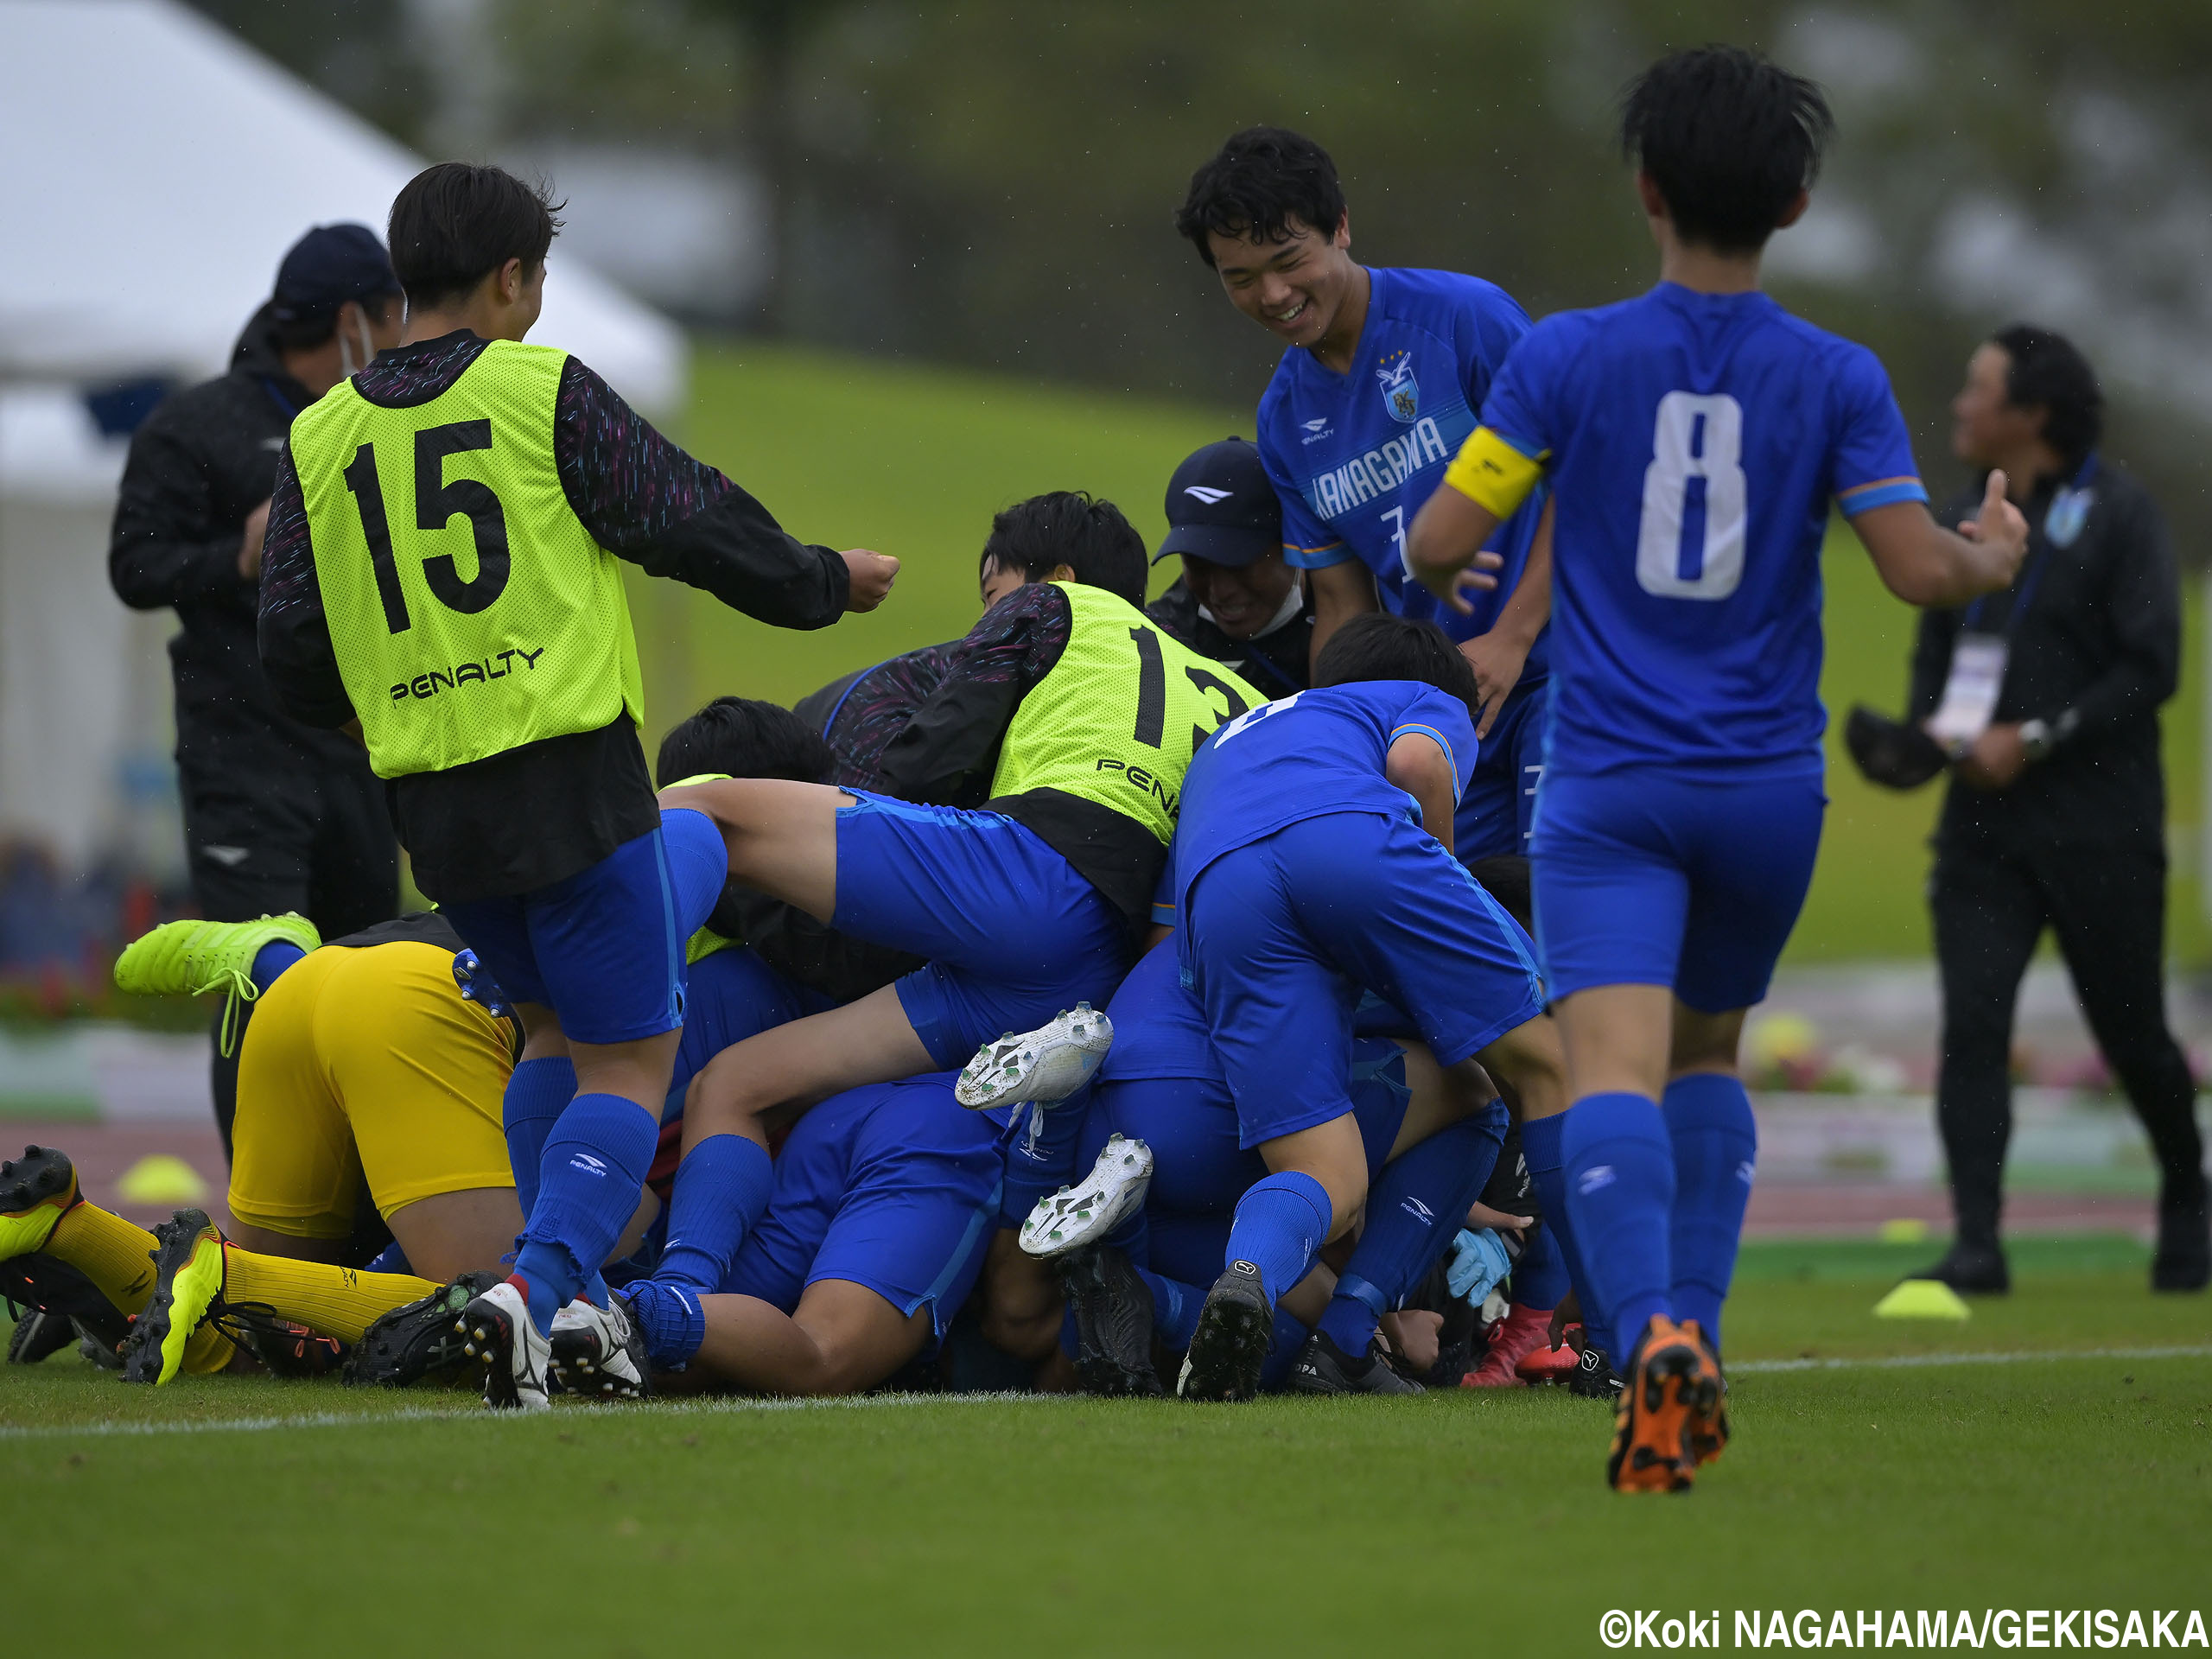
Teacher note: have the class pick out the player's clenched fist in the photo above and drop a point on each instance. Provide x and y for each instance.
(872, 575)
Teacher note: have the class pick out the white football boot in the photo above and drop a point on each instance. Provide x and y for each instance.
(600, 1350)
(1045, 1065)
(496, 1331)
(1093, 1207)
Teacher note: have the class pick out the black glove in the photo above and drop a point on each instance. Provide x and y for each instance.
(1894, 755)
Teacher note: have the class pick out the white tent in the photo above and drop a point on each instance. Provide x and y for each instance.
(153, 171)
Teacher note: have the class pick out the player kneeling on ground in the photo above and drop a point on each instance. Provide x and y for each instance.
(1310, 865)
(1136, 1242)
(876, 1226)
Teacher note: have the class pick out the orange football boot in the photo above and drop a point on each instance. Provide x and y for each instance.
(1674, 1382)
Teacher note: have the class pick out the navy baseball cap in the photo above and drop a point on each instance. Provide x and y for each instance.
(1222, 508)
(331, 264)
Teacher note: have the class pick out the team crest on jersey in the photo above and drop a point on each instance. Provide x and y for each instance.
(1401, 391)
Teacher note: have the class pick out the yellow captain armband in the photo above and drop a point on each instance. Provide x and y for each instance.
(1493, 474)
(700, 778)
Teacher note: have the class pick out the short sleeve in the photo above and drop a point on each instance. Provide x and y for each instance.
(1444, 721)
(1871, 464)
(1519, 408)
(1491, 324)
(1307, 544)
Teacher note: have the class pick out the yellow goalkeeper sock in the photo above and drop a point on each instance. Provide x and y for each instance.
(118, 1256)
(336, 1301)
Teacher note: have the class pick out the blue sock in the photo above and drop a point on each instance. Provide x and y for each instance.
(698, 865)
(1417, 1204)
(1174, 1308)
(721, 1192)
(272, 959)
(1620, 1191)
(1540, 1276)
(1042, 1159)
(1716, 1142)
(1288, 1341)
(673, 1319)
(595, 1167)
(1281, 1221)
(1540, 1145)
(390, 1258)
(537, 1093)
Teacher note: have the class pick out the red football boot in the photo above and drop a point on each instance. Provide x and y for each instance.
(1520, 1332)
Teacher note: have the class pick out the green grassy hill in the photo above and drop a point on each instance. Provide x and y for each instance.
(912, 460)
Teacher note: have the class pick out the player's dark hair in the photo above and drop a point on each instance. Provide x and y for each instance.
(1376, 646)
(1729, 138)
(1260, 179)
(1068, 527)
(2049, 369)
(1505, 877)
(744, 738)
(311, 329)
(454, 224)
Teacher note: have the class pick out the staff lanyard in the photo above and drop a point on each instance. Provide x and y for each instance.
(2062, 523)
(1979, 657)
(277, 397)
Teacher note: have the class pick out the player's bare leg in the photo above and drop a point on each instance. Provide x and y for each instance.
(842, 1337)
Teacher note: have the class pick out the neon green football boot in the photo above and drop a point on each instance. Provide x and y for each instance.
(35, 1191)
(192, 958)
(187, 1286)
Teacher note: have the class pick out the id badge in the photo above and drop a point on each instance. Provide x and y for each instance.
(1970, 694)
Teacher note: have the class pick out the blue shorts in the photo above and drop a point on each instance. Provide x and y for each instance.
(603, 948)
(892, 1186)
(1285, 934)
(1499, 806)
(1013, 933)
(1643, 879)
(732, 995)
(1200, 1166)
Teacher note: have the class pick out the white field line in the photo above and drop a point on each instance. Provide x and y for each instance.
(1912, 1362)
(698, 1407)
(721, 1407)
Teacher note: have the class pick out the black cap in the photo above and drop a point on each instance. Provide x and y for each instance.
(331, 264)
(1222, 508)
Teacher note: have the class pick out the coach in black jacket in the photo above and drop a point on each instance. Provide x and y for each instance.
(2056, 812)
(277, 816)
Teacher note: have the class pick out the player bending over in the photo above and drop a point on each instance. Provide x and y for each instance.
(1385, 370)
(1695, 439)
(1029, 803)
(1313, 863)
(442, 568)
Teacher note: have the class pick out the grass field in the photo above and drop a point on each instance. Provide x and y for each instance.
(914, 461)
(239, 1514)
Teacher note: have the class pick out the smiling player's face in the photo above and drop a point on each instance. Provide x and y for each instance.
(1294, 288)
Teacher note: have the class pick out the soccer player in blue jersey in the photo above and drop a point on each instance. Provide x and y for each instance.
(1694, 439)
(1385, 372)
(1312, 862)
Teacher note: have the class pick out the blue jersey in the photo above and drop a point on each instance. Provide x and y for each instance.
(1308, 756)
(1353, 456)
(1693, 442)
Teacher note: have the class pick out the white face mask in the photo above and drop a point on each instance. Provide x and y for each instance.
(348, 366)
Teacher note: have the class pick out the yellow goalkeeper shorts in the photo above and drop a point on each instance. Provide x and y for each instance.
(366, 1062)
